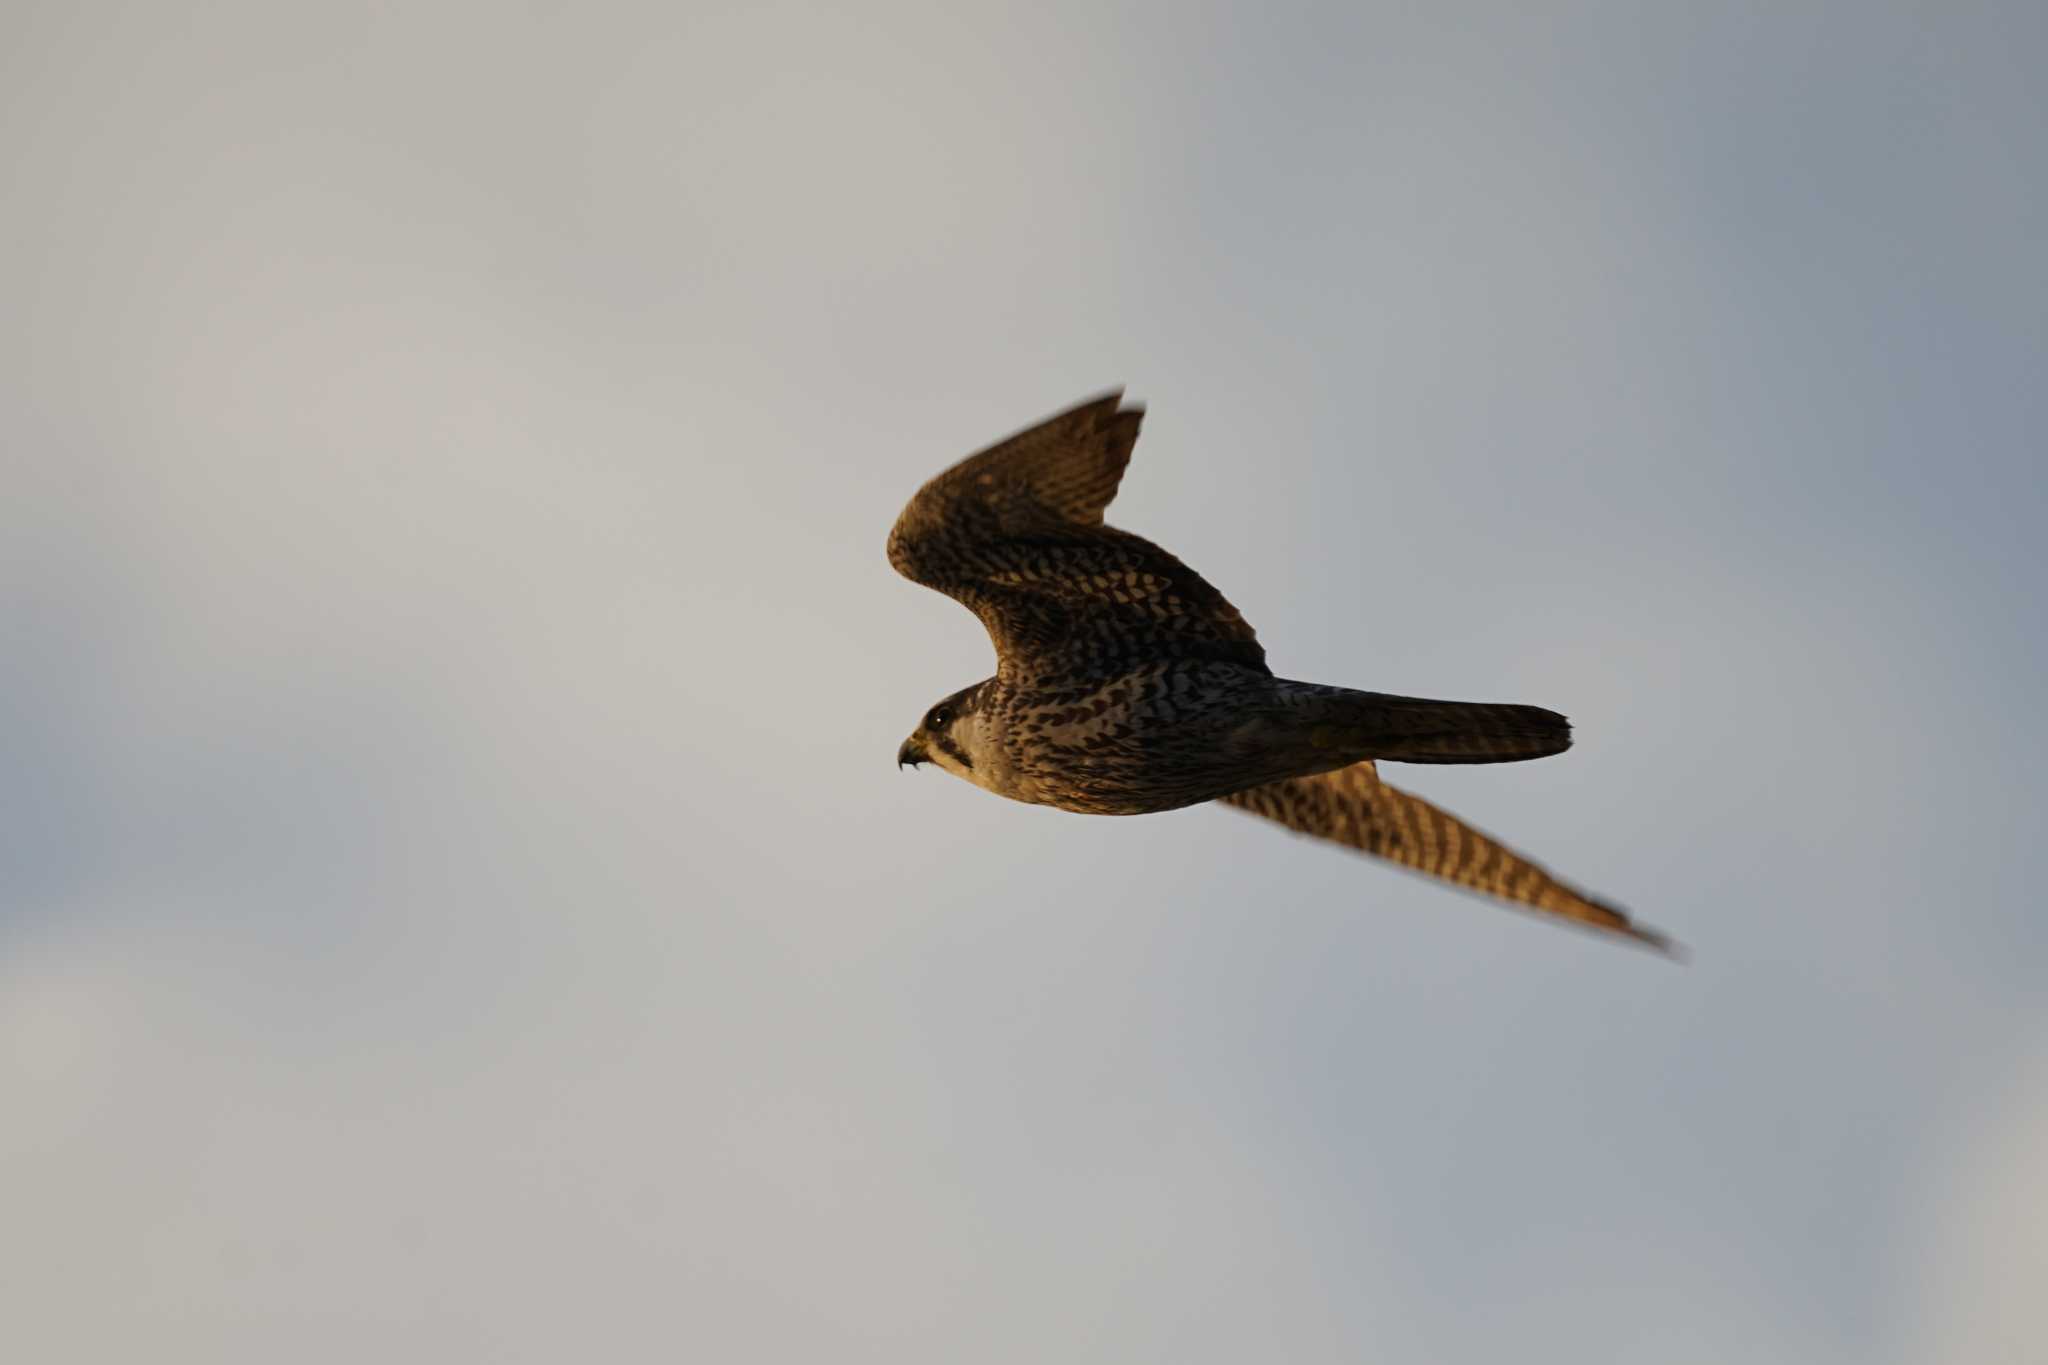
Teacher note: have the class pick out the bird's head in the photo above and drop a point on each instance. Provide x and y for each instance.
(954, 736)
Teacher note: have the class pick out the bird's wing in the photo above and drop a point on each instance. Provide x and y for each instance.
(1351, 806)
(1015, 534)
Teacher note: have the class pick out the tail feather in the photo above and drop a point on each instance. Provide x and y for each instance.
(1418, 730)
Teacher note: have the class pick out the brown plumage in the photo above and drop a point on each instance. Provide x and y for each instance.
(1125, 683)
(1353, 807)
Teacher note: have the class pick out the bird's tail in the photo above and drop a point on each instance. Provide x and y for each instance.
(1418, 730)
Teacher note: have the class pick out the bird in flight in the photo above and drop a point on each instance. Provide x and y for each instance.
(1126, 684)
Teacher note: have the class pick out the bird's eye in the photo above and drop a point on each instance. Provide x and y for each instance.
(939, 719)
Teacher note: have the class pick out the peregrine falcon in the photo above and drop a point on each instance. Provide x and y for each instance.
(1126, 684)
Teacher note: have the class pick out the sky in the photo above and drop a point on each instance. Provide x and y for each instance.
(457, 899)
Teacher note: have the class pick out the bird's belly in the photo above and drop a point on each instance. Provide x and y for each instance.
(1139, 745)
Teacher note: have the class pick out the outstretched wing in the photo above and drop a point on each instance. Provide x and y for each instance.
(1015, 534)
(1351, 806)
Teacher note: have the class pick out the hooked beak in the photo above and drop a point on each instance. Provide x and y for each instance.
(911, 754)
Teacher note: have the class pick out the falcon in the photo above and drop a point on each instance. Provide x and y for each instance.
(1126, 684)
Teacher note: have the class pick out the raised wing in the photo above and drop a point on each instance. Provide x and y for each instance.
(1351, 806)
(1015, 534)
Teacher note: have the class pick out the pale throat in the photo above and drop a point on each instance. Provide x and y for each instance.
(992, 771)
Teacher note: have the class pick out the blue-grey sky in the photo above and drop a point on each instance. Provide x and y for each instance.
(456, 899)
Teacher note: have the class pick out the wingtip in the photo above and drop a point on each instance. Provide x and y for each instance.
(1109, 400)
(1658, 942)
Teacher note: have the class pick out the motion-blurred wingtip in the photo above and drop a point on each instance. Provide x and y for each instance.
(1660, 943)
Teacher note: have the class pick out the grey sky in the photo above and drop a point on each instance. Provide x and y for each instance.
(457, 901)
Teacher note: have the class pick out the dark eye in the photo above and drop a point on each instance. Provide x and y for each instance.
(939, 719)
